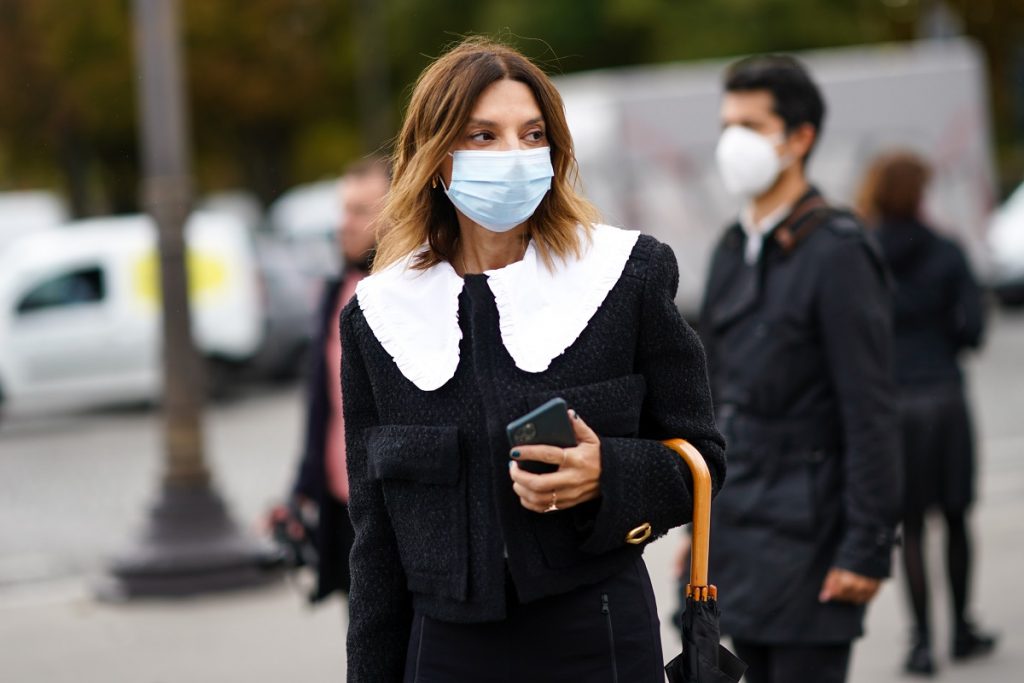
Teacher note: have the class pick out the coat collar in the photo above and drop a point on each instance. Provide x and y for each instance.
(738, 288)
(414, 314)
(808, 201)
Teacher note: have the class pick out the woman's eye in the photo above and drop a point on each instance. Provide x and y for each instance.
(482, 136)
(535, 135)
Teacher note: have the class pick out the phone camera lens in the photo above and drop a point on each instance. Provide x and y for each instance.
(526, 433)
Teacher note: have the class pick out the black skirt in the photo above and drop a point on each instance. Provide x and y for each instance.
(938, 448)
(604, 633)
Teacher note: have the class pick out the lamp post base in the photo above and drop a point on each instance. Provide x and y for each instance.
(189, 546)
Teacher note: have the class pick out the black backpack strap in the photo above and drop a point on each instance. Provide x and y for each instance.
(809, 215)
(815, 213)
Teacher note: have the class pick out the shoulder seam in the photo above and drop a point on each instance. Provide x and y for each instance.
(643, 253)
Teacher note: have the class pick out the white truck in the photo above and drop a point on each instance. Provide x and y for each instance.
(645, 140)
(80, 308)
(23, 211)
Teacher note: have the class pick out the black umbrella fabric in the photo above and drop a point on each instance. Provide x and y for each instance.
(703, 659)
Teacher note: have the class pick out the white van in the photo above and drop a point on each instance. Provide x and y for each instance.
(306, 220)
(80, 307)
(25, 211)
(1006, 239)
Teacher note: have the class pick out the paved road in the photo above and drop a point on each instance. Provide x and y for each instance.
(73, 489)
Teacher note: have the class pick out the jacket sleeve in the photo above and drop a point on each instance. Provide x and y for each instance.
(853, 310)
(967, 324)
(307, 478)
(380, 613)
(641, 479)
(310, 479)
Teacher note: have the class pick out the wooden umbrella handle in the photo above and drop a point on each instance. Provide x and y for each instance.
(701, 517)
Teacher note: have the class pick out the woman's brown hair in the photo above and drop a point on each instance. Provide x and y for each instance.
(417, 211)
(893, 187)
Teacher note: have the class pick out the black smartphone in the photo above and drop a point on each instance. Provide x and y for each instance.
(547, 425)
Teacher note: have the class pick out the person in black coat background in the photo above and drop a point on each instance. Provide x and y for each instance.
(320, 490)
(938, 313)
(796, 322)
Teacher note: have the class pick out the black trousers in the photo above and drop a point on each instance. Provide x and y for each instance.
(794, 663)
(604, 633)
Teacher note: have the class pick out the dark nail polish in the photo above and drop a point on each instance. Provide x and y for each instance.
(515, 454)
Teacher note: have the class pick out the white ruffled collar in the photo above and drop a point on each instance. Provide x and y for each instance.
(415, 313)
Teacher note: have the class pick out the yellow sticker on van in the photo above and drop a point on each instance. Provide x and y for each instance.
(207, 276)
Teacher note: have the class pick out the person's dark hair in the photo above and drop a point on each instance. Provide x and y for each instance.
(797, 99)
(894, 186)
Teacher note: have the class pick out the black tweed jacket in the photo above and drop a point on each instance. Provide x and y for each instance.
(438, 527)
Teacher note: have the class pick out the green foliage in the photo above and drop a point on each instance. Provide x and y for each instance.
(274, 84)
(66, 87)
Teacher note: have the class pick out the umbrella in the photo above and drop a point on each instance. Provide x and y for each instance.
(703, 659)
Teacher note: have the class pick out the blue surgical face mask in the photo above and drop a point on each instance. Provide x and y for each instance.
(499, 190)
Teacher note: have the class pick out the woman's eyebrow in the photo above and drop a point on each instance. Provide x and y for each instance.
(494, 124)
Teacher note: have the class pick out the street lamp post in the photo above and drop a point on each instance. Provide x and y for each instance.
(373, 97)
(190, 543)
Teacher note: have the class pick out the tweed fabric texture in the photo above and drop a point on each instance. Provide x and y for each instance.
(438, 526)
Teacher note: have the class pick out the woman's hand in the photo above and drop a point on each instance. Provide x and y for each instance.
(576, 481)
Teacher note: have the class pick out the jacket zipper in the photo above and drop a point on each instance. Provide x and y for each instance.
(607, 612)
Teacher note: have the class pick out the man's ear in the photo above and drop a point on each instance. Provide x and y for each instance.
(801, 140)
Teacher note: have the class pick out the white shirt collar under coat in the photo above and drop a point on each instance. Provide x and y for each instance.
(757, 231)
(541, 312)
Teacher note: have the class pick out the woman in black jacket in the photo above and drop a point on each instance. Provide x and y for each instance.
(938, 312)
(493, 291)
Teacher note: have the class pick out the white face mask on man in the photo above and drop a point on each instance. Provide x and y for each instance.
(748, 161)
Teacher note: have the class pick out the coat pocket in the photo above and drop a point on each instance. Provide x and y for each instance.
(421, 474)
(778, 495)
(611, 407)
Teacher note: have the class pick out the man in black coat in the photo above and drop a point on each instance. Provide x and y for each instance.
(321, 482)
(796, 323)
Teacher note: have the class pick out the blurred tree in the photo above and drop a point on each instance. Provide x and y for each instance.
(372, 80)
(259, 71)
(285, 91)
(65, 80)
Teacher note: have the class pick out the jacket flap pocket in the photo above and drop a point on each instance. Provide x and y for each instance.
(611, 407)
(426, 454)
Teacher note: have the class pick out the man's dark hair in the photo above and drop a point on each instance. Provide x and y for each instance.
(797, 99)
